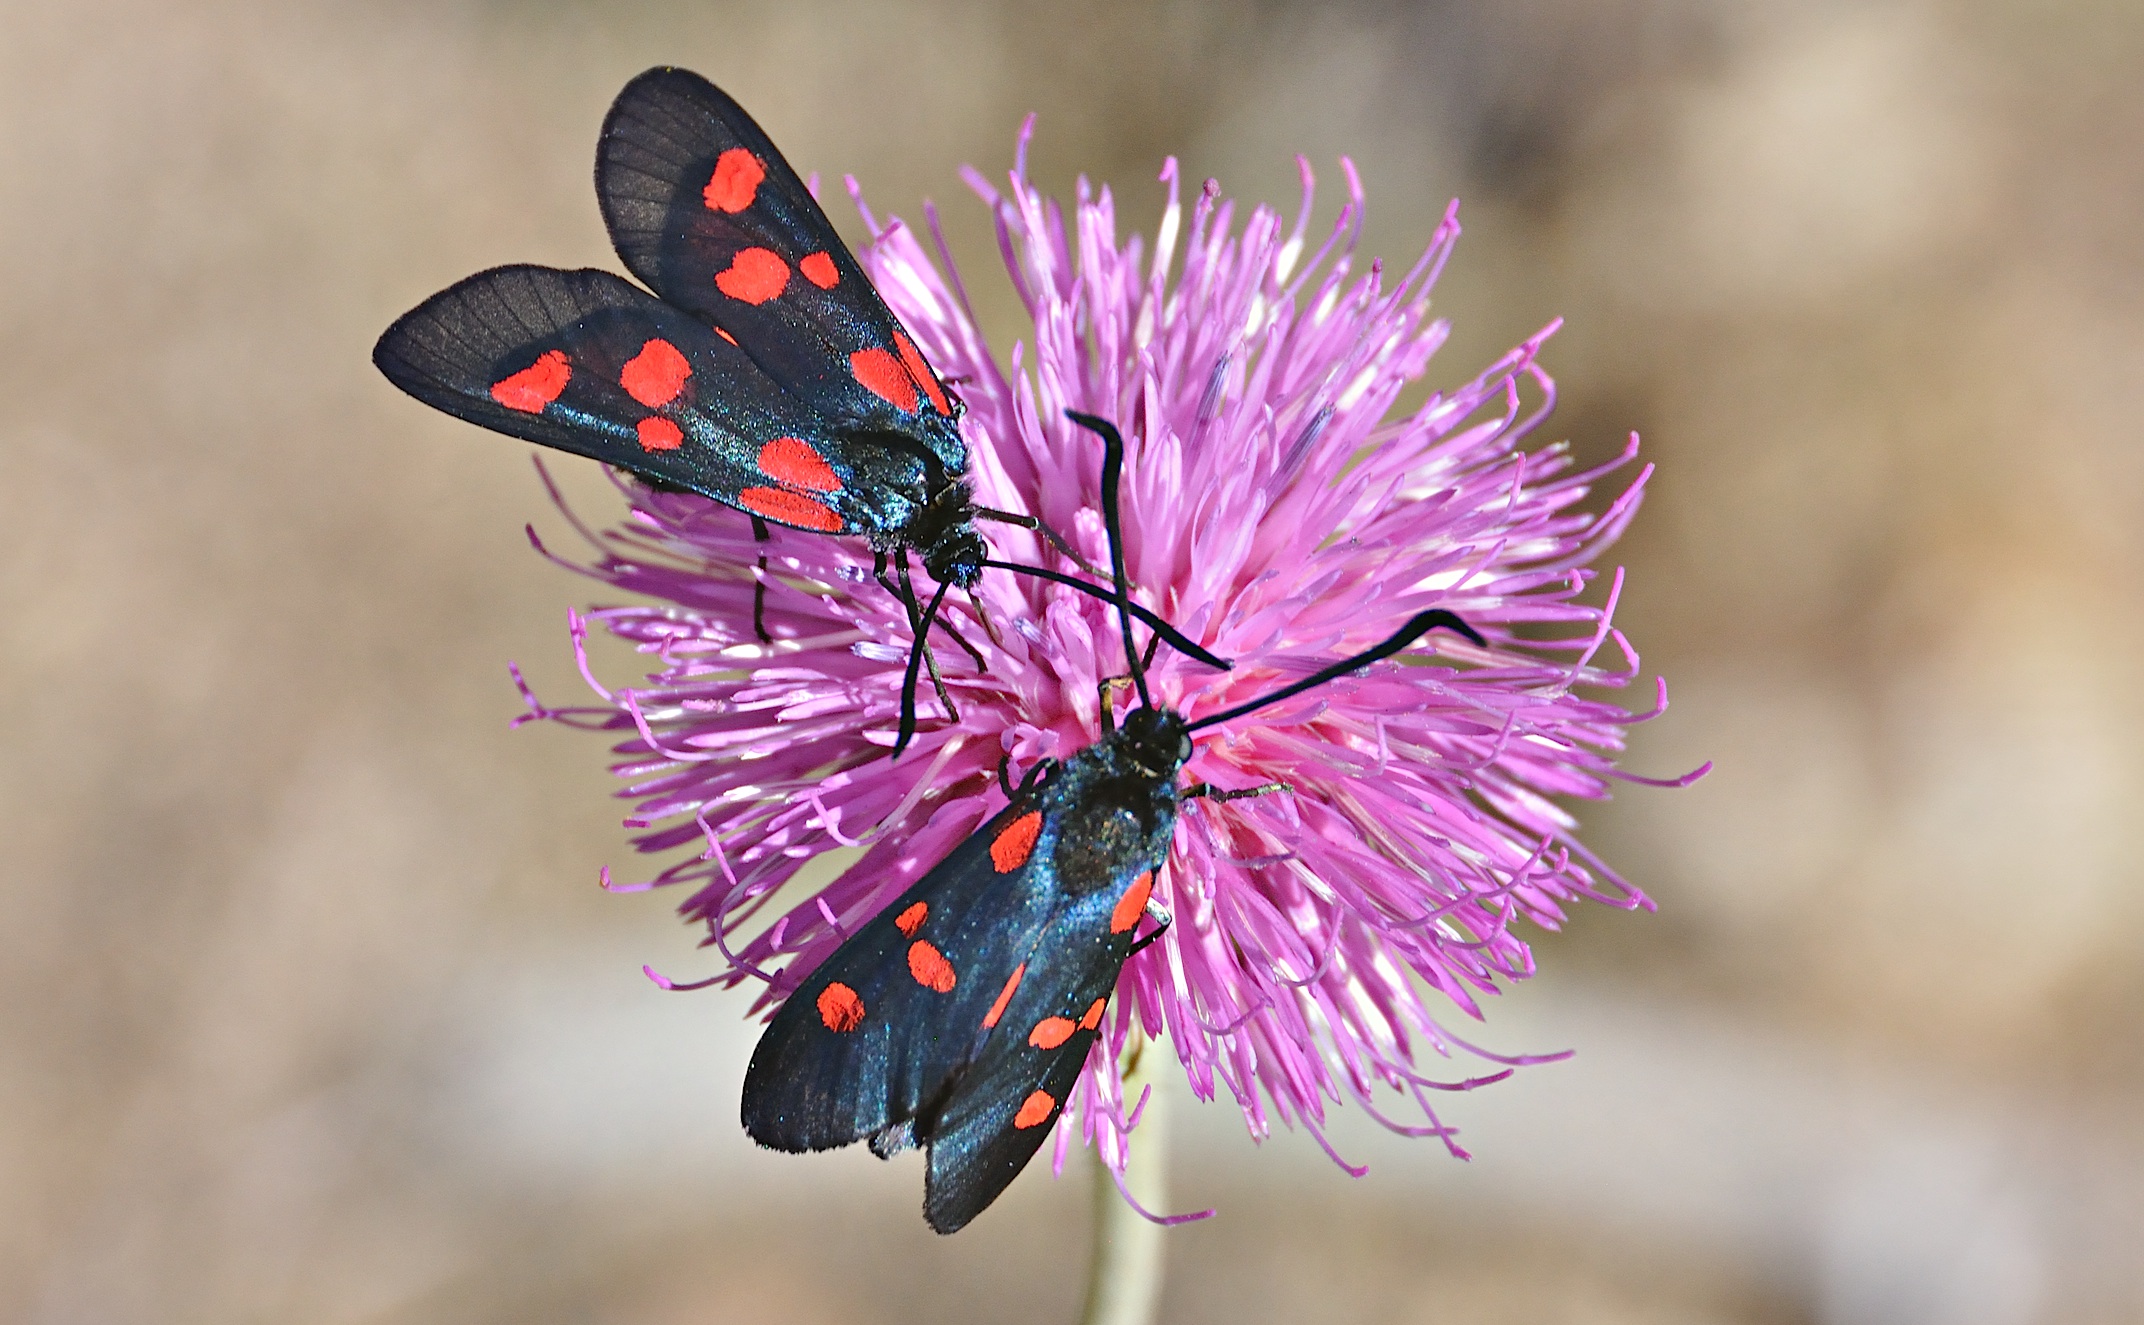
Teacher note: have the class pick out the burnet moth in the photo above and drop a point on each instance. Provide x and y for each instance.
(959, 1017)
(764, 372)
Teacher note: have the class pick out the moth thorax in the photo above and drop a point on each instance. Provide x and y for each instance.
(1120, 821)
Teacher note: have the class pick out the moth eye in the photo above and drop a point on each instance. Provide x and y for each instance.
(1183, 748)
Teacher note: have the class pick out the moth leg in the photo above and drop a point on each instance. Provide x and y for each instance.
(1162, 920)
(1216, 795)
(1043, 768)
(903, 593)
(878, 572)
(1055, 539)
(1007, 517)
(1106, 690)
(984, 618)
(1039, 770)
(981, 664)
(759, 584)
(930, 663)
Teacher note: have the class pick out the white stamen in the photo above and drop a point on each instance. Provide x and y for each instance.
(1172, 219)
(1356, 389)
(1284, 261)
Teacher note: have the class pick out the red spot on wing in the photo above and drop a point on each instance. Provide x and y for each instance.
(1010, 849)
(1094, 1015)
(791, 508)
(725, 335)
(840, 1007)
(921, 371)
(659, 434)
(1132, 904)
(819, 269)
(755, 275)
(656, 374)
(1035, 1110)
(911, 920)
(882, 375)
(930, 967)
(794, 461)
(536, 385)
(997, 1009)
(1050, 1032)
(735, 181)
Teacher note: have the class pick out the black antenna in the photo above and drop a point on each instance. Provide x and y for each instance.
(1112, 474)
(920, 624)
(1170, 635)
(1417, 626)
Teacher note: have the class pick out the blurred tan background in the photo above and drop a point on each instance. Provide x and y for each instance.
(310, 1010)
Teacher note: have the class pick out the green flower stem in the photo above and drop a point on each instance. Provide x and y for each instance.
(1124, 1276)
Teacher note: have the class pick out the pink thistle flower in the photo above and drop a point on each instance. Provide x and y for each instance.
(1274, 513)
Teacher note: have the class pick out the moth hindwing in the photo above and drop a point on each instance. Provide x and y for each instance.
(960, 1016)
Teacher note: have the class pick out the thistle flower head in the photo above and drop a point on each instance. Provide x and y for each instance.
(1277, 510)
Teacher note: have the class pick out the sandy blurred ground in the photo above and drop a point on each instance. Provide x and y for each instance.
(309, 1007)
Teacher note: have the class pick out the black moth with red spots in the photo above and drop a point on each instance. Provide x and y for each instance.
(964, 1027)
(960, 1016)
(764, 371)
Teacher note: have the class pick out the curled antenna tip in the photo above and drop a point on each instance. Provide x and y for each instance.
(1449, 620)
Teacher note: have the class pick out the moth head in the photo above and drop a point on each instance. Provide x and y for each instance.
(956, 556)
(1157, 740)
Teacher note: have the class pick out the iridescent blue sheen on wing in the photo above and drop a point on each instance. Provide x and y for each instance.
(936, 1068)
(708, 430)
(784, 335)
(688, 182)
